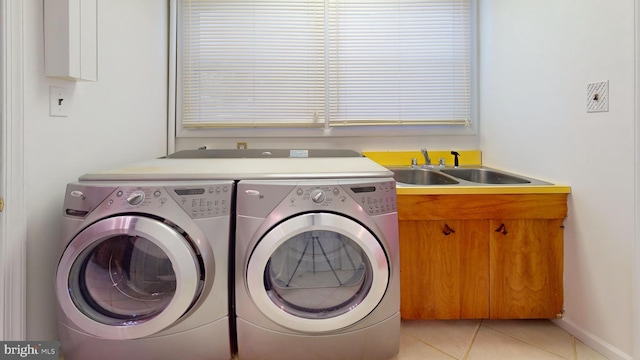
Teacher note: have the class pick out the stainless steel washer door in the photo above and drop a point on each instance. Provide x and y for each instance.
(127, 277)
(317, 272)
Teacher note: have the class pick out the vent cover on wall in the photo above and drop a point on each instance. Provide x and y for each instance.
(598, 96)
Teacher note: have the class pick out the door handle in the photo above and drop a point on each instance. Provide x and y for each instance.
(447, 230)
(502, 229)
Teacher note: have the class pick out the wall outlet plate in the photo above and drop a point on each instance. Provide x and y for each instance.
(598, 97)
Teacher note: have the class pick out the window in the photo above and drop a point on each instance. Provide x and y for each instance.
(323, 63)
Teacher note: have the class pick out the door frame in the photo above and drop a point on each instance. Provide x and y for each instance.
(13, 229)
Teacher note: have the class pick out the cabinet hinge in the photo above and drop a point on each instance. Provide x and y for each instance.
(1, 204)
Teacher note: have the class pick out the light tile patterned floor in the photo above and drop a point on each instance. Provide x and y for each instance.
(490, 340)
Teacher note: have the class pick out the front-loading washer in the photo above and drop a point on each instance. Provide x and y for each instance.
(144, 270)
(317, 269)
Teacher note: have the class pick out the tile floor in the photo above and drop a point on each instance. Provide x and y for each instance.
(491, 340)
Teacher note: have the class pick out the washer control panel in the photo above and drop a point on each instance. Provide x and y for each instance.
(204, 201)
(199, 201)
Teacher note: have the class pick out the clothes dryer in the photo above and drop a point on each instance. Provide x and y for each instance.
(144, 270)
(317, 269)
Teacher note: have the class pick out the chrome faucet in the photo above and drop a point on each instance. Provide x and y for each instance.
(427, 159)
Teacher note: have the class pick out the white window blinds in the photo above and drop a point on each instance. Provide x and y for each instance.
(317, 63)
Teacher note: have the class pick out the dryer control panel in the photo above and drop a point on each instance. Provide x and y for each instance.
(375, 198)
(259, 198)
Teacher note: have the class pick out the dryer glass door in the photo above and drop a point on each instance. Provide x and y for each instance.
(125, 278)
(324, 270)
(128, 277)
(331, 269)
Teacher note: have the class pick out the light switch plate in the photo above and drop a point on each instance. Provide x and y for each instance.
(59, 101)
(598, 97)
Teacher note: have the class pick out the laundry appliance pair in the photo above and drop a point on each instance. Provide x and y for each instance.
(213, 258)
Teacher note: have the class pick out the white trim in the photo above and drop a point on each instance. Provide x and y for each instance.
(12, 219)
(173, 53)
(635, 332)
(333, 132)
(593, 341)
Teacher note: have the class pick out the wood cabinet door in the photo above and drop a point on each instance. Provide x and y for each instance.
(474, 262)
(526, 264)
(444, 269)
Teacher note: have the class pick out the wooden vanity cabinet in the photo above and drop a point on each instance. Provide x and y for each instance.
(481, 256)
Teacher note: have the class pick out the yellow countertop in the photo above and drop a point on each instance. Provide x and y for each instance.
(467, 158)
(402, 189)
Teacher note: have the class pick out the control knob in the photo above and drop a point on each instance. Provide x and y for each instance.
(136, 198)
(318, 196)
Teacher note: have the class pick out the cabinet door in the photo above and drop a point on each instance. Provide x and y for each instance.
(526, 269)
(444, 269)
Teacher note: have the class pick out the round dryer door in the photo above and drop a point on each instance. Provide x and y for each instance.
(317, 272)
(127, 277)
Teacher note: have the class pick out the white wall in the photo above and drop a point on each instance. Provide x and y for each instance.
(119, 118)
(537, 58)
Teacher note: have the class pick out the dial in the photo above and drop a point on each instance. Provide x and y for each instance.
(318, 196)
(136, 198)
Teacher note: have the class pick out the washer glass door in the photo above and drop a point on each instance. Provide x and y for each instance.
(318, 272)
(133, 273)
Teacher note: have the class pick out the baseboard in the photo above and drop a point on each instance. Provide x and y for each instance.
(590, 339)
